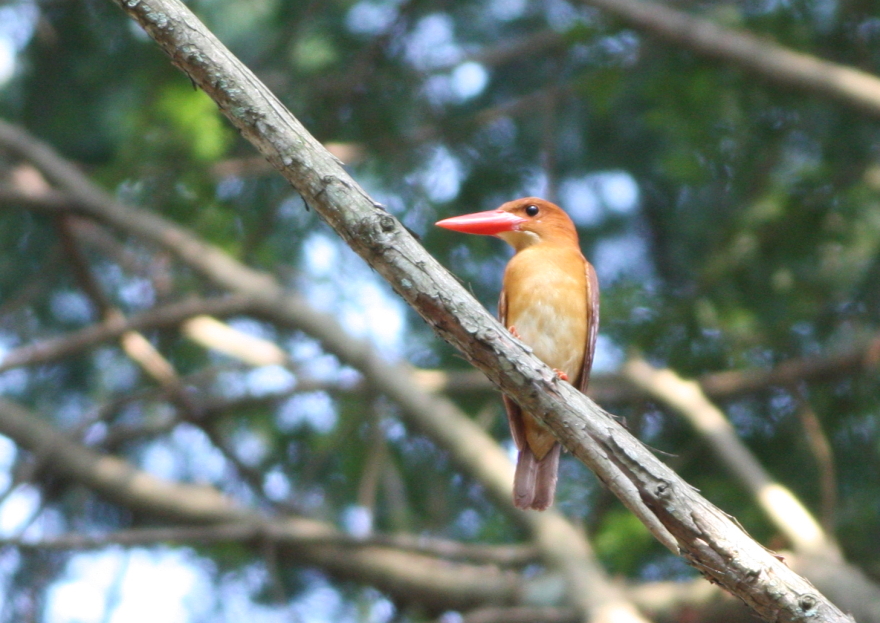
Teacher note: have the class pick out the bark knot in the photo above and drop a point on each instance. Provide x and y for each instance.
(662, 490)
(807, 603)
(386, 222)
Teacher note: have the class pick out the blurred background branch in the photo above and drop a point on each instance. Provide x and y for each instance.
(769, 60)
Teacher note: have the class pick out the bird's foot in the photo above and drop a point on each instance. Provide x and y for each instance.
(514, 332)
(562, 375)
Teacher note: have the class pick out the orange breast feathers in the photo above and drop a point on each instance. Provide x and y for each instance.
(544, 305)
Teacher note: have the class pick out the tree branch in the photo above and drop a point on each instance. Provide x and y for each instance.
(405, 575)
(279, 531)
(116, 326)
(763, 57)
(114, 478)
(820, 446)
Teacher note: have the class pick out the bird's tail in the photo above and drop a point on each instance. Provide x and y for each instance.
(534, 483)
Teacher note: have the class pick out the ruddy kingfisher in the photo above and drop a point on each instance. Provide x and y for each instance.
(550, 301)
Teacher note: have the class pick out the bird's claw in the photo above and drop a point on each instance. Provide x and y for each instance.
(514, 332)
(562, 375)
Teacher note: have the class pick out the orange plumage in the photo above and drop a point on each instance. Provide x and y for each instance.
(550, 300)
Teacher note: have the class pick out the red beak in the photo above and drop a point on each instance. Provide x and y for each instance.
(488, 223)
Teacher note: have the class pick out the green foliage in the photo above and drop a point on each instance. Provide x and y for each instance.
(195, 121)
(622, 542)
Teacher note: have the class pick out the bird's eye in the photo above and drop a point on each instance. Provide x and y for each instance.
(532, 210)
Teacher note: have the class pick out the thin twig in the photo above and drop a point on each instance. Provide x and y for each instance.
(824, 456)
(115, 327)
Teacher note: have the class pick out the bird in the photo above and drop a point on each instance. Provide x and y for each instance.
(550, 301)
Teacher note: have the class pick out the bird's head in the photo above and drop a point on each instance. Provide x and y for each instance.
(521, 223)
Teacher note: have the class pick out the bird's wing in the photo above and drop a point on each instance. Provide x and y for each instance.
(514, 413)
(592, 326)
